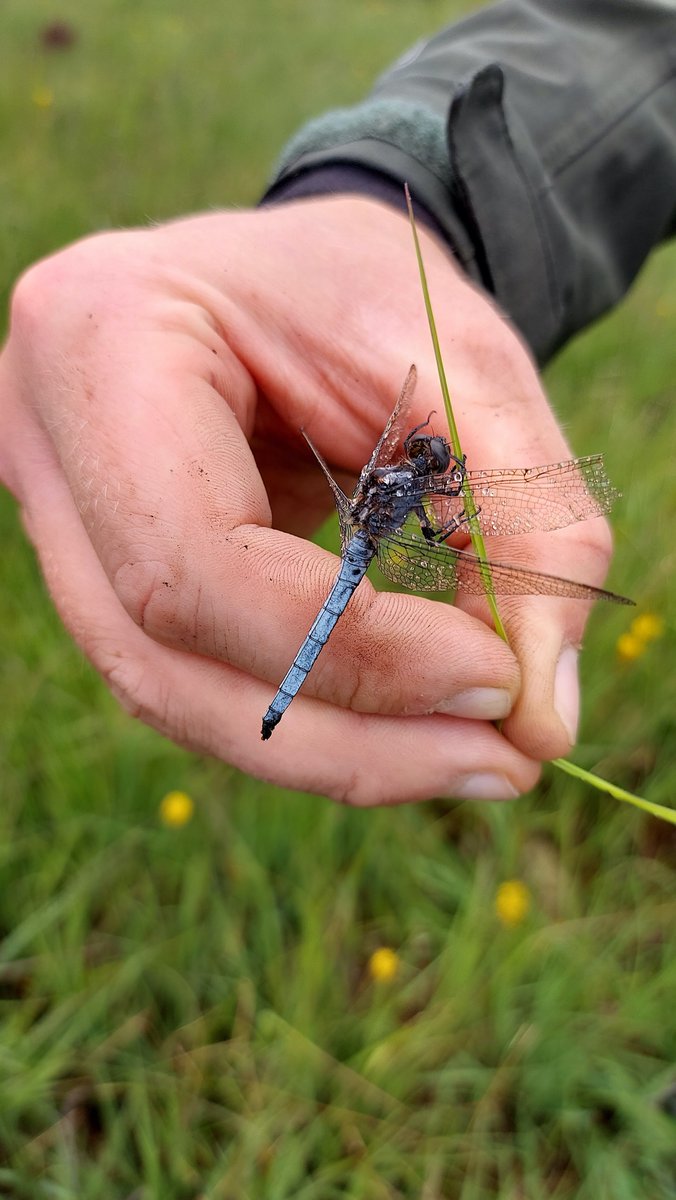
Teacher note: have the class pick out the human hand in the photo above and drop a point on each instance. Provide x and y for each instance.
(151, 394)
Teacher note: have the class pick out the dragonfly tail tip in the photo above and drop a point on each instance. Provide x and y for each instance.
(270, 723)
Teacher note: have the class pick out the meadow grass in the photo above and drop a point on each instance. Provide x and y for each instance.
(189, 1011)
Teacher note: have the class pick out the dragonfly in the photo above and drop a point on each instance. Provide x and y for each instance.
(405, 507)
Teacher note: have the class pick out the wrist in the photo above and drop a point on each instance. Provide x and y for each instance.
(342, 179)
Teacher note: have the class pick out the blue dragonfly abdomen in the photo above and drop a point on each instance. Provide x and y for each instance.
(357, 556)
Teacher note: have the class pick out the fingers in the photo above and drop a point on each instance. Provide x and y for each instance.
(505, 421)
(165, 483)
(247, 596)
(217, 709)
(370, 760)
(546, 634)
(389, 653)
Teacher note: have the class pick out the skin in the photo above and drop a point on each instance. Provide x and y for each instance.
(152, 390)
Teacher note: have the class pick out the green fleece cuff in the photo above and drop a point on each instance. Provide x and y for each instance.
(414, 129)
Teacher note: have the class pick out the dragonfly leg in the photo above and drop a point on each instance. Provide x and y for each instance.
(456, 523)
(432, 534)
(428, 530)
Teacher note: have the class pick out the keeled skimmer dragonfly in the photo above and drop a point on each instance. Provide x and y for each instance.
(405, 507)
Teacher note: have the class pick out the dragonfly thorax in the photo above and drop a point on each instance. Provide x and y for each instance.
(386, 496)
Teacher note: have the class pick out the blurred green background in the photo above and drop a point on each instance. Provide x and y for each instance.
(192, 1009)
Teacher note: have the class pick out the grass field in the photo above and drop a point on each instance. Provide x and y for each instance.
(192, 1011)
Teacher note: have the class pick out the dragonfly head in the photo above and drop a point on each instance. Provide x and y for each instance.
(428, 455)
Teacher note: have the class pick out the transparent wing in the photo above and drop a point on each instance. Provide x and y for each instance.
(389, 442)
(415, 564)
(526, 499)
(342, 502)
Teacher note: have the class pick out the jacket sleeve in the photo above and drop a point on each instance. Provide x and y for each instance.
(539, 138)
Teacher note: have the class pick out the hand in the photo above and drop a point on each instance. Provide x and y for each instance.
(151, 393)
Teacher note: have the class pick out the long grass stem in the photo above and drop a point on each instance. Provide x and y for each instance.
(479, 547)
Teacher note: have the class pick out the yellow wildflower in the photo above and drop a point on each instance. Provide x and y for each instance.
(383, 964)
(629, 647)
(43, 97)
(512, 902)
(176, 809)
(647, 627)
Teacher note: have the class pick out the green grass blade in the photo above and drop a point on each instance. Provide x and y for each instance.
(479, 545)
(602, 785)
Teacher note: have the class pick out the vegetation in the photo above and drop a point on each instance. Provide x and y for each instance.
(190, 1006)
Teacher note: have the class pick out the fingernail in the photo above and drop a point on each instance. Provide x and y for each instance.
(567, 691)
(483, 786)
(481, 704)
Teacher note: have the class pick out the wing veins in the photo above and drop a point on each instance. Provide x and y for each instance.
(416, 564)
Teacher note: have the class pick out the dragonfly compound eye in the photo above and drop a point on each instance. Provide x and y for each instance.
(429, 453)
(440, 452)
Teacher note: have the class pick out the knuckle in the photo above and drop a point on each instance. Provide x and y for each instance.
(137, 689)
(357, 790)
(144, 691)
(141, 690)
(381, 667)
(148, 591)
(372, 686)
(601, 539)
(159, 600)
(71, 277)
(29, 297)
(136, 583)
(359, 784)
(357, 685)
(595, 538)
(363, 787)
(495, 351)
(42, 297)
(365, 658)
(47, 276)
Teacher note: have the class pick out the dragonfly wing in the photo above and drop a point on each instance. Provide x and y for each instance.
(389, 442)
(342, 501)
(423, 567)
(413, 563)
(528, 499)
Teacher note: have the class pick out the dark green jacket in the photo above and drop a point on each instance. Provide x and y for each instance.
(540, 138)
